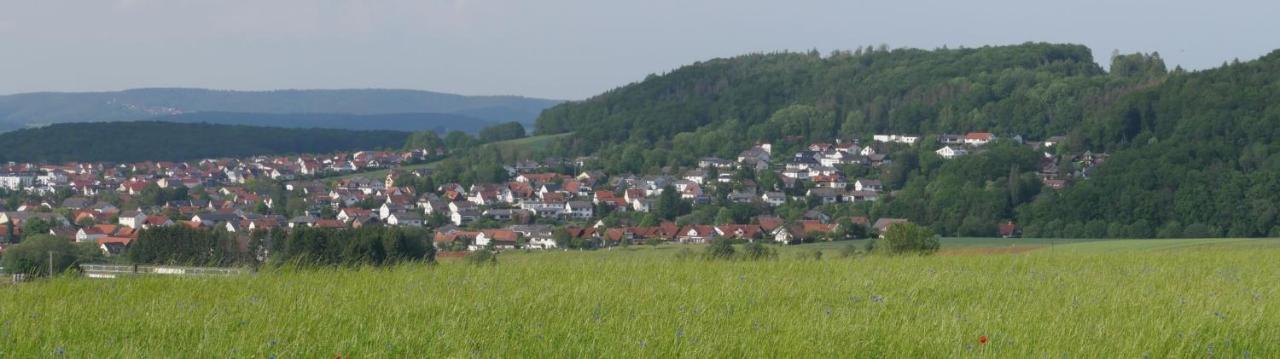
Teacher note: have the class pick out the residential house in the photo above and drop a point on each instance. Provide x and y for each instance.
(212, 218)
(495, 238)
(978, 138)
(949, 139)
(579, 209)
(784, 235)
(741, 197)
(132, 219)
(464, 217)
(708, 162)
(867, 185)
(156, 221)
(1055, 184)
(882, 225)
(537, 236)
(352, 213)
(1008, 230)
(949, 152)
(749, 232)
(774, 198)
(303, 221)
(825, 195)
(860, 196)
(405, 218)
(500, 214)
(695, 233)
(329, 223)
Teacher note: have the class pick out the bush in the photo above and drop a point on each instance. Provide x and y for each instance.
(719, 249)
(849, 250)
(810, 255)
(908, 238)
(758, 251)
(685, 254)
(1199, 230)
(482, 257)
(32, 255)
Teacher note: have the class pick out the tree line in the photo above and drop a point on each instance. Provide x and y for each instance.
(373, 245)
(165, 141)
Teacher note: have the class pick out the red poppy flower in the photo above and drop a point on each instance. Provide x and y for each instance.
(982, 340)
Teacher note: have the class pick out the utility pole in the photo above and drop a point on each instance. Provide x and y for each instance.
(50, 263)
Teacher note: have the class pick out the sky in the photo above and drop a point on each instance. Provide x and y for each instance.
(560, 49)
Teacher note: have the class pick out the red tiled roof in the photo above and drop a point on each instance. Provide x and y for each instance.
(501, 235)
(815, 226)
(981, 136)
(330, 223)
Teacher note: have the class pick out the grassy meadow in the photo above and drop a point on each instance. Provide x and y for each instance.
(1149, 298)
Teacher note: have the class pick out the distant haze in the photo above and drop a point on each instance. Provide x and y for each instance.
(563, 49)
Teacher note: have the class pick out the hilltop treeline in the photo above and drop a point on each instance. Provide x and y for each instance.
(164, 141)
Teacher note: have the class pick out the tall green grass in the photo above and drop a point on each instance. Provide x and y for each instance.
(640, 302)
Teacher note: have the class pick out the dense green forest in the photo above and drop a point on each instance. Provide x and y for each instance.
(1192, 151)
(162, 141)
(1195, 156)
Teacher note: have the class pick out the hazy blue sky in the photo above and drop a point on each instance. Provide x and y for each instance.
(566, 49)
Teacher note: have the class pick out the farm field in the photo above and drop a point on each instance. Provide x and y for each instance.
(1140, 298)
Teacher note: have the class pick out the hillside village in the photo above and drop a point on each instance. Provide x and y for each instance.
(544, 205)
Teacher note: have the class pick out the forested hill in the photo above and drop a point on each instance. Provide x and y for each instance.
(1036, 90)
(437, 122)
(163, 141)
(1193, 153)
(1197, 154)
(37, 109)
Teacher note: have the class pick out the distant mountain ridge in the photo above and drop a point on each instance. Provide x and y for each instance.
(438, 122)
(45, 108)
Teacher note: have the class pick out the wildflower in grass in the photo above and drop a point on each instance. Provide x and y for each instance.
(982, 340)
(58, 351)
(877, 299)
